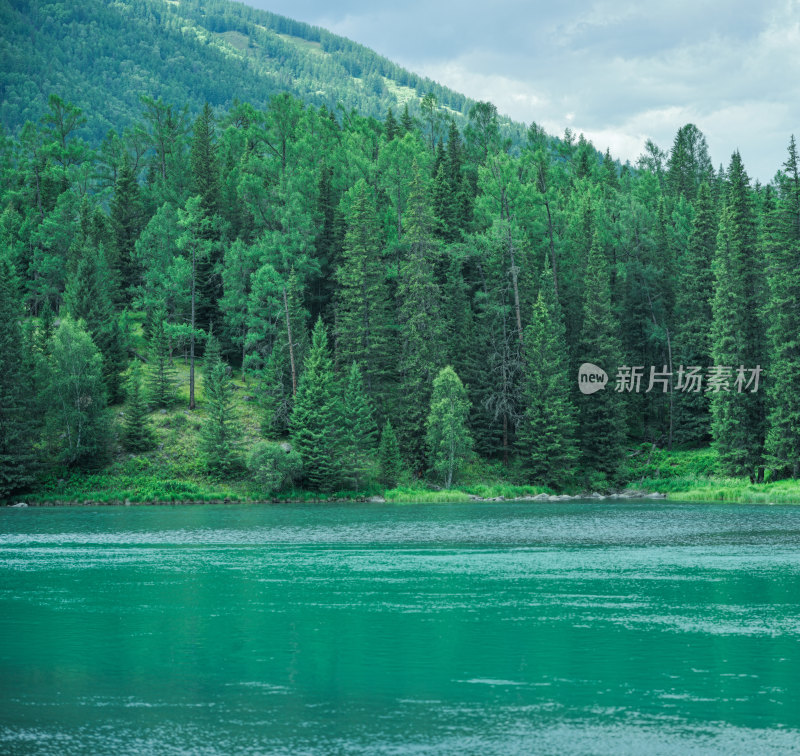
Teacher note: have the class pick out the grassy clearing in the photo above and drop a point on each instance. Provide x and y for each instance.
(691, 475)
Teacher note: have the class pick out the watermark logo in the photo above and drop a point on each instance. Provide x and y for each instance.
(691, 379)
(591, 378)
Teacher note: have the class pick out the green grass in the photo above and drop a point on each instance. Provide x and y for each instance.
(408, 495)
(105, 488)
(420, 494)
(691, 475)
(741, 491)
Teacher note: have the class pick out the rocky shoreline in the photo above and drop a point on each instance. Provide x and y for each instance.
(578, 497)
(372, 499)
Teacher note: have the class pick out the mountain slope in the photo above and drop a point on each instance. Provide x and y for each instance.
(103, 55)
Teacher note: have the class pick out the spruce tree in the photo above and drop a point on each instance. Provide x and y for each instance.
(689, 164)
(448, 438)
(781, 242)
(406, 121)
(221, 431)
(205, 184)
(421, 324)
(363, 319)
(738, 422)
(275, 395)
(390, 461)
(314, 424)
(138, 434)
(328, 243)
(390, 126)
(161, 374)
(450, 200)
(547, 435)
(359, 432)
(18, 423)
(127, 220)
(602, 432)
(692, 344)
(88, 298)
(205, 171)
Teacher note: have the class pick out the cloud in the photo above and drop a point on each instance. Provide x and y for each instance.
(619, 71)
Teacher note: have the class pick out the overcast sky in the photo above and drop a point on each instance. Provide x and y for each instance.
(619, 72)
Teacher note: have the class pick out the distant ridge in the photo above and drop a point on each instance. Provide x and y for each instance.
(103, 55)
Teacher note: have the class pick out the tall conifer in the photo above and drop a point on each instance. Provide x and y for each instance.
(602, 432)
(738, 422)
(17, 420)
(781, 242)
(547, 433)
(314, 425)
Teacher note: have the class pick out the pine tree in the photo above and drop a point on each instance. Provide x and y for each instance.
(362, 315)
(18, 423)
(127, 220)
(205, 184)
(602, 433)
(275, 397)
(610, 171)
(390, 462)
(314, 424)
(359, 432)
(688, 165)
(738, 422)
(421, 325)
(221, 432)
(76, 397)
(693, 313)
(390, 126)
(328, 244)
(88, 298)
(781, 244)
(547, 433)
(406, 121)
(161, 374)
(456, 204)
(205, 170)
(138, 434)
(448, 438)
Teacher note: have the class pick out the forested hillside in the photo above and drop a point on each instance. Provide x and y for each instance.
(102, 55)
(397, 296)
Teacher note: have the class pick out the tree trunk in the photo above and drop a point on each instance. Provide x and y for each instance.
(291, 343)
(553, 264)
(515, 284)
(244, 349)
(671, 391)
(505, 439)
(191, 338)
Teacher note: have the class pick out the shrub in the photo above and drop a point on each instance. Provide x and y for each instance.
(273, 466)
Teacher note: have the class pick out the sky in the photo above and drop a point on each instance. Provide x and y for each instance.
(620, 72)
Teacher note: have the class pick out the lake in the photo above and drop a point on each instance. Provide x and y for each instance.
(481, 628)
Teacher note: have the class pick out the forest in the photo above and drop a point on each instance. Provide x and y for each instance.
(103, 54)
(399, 297)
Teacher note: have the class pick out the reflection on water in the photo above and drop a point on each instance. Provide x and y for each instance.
(507, 628)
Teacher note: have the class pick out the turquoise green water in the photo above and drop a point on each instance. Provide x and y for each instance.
(569, 628)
